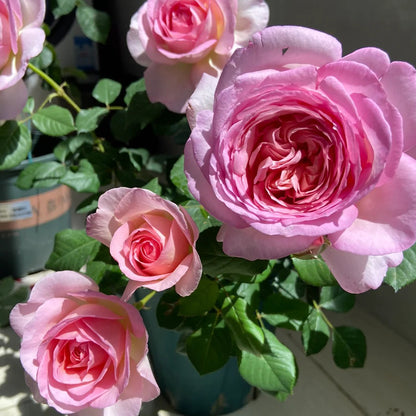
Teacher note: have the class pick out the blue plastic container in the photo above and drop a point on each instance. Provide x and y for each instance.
(189, 393)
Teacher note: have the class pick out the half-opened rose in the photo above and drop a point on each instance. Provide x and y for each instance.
(179, 40)
(152, 239)
(21, 38)
(83, 351)
(302, 145)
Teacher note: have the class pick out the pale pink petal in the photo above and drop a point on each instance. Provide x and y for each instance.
(278, 46)
(229, 12)
(376, 59)
(170, 84)
(252, 16)
(136, 40)
(196, 155)
(386, 221)
(323, 225)
(253, 245)
(399, 82)
(150, 389)
(102, 224)
(33, 12)
(59, 284)
(47, 315)
(202, 98)
(21, 315)
(163, 282)
(358, 273)
(190, 279)
(12, 100)
(140, 201)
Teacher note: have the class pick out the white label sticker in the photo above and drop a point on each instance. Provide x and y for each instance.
(13, 211)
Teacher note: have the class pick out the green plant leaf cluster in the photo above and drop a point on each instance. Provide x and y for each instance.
(94, 23)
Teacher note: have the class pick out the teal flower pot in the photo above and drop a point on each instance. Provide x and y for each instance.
(29, 220)
(189, 393)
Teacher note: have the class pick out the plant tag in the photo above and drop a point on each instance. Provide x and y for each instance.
(13, 211)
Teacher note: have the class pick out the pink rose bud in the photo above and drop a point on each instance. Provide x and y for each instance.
(152, 239)
(83, 351)
(22, 39)
(300, 143)
(180, 40)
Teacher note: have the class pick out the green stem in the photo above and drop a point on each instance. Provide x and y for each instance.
(318, 308)
(142, 302)
(58, 88)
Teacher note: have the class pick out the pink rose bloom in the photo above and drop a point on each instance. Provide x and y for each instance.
(179, 40)
(152, 239)
(21, 38)
(303, 146)
(83, 351)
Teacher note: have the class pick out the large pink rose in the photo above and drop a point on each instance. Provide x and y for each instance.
(84, 352)
(21, 38)
(152, 239)
(302, 145)
(179, 40)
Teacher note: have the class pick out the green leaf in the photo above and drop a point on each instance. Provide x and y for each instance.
(216, 263)
(174, 126)
(153, 186)
(106, 91)
(314, 272)
(72, 145)
(29, 106)
(280, 310)
(315, 333)
(96, 270)
(201, 217)
(209, 347)
(137, 86)
(336, 299)
(273, 369)
(405, 273)
(238, 317)
(61, 7)
(349, 347)
(54, 121)
(40, 175)
(94, 23)
(72, 250)
(167, 310)
(15, 144)
(88, 120)
(178, 178)
(84, 179)
(201, 300)
(141, 111)
(45, 58)
(88, 205)
(138, 157)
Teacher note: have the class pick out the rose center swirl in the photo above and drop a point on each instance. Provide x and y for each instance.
(292, 161)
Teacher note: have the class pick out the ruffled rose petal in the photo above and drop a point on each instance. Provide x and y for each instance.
(399, 82)
(252, 245)
(386, 221)
(102, 224)
(170, 84)
(252, 16)
(278, 46)
(358, 273)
